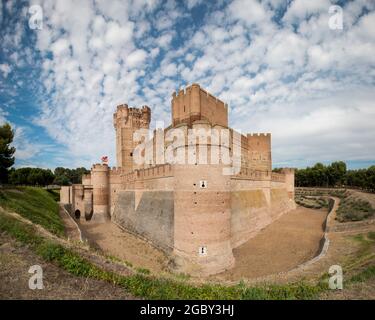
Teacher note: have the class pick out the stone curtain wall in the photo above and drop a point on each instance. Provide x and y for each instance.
(151, 216)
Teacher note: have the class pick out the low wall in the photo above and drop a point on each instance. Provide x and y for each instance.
(148, 214)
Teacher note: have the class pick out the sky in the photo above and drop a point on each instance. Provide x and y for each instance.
(279, 64)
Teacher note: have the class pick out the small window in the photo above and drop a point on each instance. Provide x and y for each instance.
(131, 154)
(202, 251)
(203, 184)
(184, 108)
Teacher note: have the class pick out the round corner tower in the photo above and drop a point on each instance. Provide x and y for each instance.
(100, 186)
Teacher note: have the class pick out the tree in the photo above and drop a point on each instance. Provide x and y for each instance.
(65, 176)
(62, 180)
(6, 151)
(336, 173)
(31, 176)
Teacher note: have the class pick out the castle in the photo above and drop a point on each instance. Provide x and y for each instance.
(195, 211)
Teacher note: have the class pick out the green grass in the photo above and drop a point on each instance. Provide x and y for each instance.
(352, 209)
(143, 270)
(365, 275)
(55, 194)
(365, 258)
(36, 204)
(150, 287)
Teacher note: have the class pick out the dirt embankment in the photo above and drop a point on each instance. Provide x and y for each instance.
(113, 241)
(289, 241)
(15, 262)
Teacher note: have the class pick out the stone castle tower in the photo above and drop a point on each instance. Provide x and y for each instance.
(196, 104)
(126, 121)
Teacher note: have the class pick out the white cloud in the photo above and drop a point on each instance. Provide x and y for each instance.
(61, 46)
(286, 77)
(301, 9)
(5, 69)
(251, 12)
(136, 58)
(193, 3)
(117, 35)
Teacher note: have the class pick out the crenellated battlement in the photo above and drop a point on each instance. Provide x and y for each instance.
(126, 121)
(187, 90)
(115, 171)
(158, 171)
(100, 167)
(259, 135)
(194, 103)
(288, 170)
(126, 116)
(277, 177)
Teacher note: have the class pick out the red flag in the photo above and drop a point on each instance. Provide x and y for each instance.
(104, 159)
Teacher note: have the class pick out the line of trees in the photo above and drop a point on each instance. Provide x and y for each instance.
(42, 177)
(31, 176)
(335, 175)
(65, 176)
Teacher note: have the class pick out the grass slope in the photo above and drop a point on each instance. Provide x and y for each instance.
(35, 204)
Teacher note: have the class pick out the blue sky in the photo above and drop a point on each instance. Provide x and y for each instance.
(276, 63)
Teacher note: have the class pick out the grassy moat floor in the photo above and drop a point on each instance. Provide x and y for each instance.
(32, 232)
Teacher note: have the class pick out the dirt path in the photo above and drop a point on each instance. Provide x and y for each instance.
(291, 240)
(112, 240)
(15, 262)
(71, 229)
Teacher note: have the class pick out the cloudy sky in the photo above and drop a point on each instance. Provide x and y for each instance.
(277, 63)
